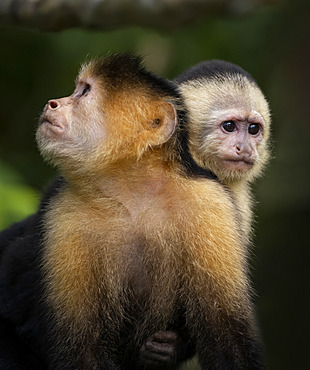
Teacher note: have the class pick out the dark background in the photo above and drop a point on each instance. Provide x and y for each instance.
(273, 44)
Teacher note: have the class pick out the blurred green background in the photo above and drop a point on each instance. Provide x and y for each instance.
(273, 44)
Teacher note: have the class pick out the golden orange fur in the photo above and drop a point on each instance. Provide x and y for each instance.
(182, 248)
(131, 235)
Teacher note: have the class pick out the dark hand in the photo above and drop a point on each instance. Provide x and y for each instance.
(160, 349)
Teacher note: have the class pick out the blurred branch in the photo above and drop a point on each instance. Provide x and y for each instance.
(55, 15)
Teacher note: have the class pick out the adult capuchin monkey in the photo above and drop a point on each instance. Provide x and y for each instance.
(136, 240)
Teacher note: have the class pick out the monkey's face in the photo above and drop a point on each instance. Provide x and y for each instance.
(102, 123)
(73, 126)
(239, 134)
(228, 128)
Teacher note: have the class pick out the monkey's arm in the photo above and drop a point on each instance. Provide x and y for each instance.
(219, 309)
(19, 296)
(227, 340)
(232, 345)
(20, 290)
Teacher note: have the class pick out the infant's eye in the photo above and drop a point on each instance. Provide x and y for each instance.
(229, 126)
(86, 89)
(253, 128)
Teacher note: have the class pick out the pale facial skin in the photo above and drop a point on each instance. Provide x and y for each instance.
(240, 134)
(61, 131)
(229, 128)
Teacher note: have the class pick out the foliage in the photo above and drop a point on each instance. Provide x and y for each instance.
(17, 200)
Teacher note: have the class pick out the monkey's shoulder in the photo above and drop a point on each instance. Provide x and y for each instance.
(201, 196)
(178, 198)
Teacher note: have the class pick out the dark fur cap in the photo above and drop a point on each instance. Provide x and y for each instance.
(213, 69)
(127, 70)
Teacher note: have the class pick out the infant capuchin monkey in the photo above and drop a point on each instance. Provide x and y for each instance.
(229, 127)
(136, 238)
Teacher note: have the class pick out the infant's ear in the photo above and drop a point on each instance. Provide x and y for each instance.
(163, 125)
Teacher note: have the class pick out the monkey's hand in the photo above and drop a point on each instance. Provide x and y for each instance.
(160, 349)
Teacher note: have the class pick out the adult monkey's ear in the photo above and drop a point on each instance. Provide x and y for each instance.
(163, 125)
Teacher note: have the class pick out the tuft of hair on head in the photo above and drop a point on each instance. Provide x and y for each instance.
(126, 70)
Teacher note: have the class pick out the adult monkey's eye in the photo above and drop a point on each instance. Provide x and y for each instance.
(86, 89)
(229, 126)
(253, 128)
